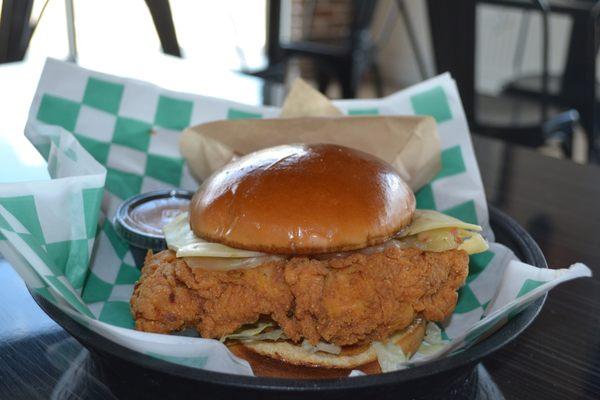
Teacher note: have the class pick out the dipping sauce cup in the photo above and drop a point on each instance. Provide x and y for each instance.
(139, 219)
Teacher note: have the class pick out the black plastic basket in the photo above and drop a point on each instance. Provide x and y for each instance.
(131, 374)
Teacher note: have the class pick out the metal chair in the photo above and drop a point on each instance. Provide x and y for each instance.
(347, 59)
(16, 29)
(453, 33)
(559, 127)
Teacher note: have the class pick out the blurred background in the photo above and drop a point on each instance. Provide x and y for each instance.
(526, 69)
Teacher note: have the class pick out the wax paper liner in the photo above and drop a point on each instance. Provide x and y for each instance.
(107, 138)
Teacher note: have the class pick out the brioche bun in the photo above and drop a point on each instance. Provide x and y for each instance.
(302, 199)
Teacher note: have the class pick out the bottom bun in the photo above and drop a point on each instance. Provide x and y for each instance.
(409, 339)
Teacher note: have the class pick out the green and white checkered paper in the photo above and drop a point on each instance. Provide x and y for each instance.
(107, 138)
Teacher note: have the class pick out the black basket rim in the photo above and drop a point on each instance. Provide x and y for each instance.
(521, 243)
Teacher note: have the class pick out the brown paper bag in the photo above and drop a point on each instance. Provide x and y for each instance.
(410, 143)
(304, 101)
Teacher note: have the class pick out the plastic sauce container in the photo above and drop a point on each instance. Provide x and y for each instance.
(139, 219)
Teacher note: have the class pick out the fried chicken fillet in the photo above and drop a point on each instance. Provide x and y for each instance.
(344, 301)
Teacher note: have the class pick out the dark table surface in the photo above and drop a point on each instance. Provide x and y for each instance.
(558, 357)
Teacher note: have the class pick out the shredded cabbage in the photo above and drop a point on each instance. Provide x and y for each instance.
(433, 334)
(256, 333)
(321, 346)
(432, 341)
(250, 332)
(390, 356)
(273, 335)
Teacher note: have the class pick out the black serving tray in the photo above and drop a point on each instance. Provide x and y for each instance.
(131, 374)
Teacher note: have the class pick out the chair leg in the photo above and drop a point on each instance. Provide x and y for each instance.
(163, 22)
(349, 82)
(377, 82)
(323, 79)
(71, 31)
(15, 30)
(412, 39)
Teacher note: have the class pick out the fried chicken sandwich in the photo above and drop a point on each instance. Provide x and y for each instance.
(310, 254)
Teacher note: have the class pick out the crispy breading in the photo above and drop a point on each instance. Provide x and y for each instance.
(358, 298)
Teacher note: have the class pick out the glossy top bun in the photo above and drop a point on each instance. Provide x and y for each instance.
(302, 199)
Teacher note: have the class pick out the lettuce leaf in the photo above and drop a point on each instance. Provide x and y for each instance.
(389, 355)
(322, 346)
(256, 333)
